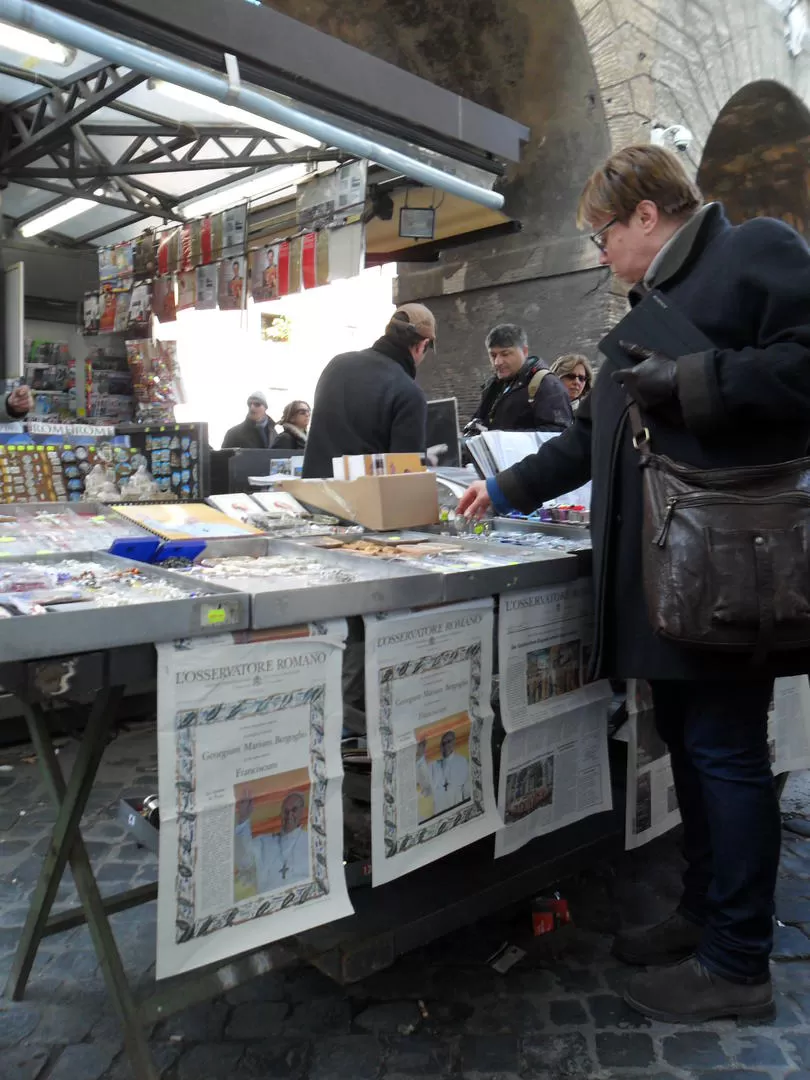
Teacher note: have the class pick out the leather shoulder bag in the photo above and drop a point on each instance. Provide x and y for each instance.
(726, 552)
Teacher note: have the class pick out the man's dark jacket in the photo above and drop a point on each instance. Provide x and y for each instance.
(366, 403)
(505, 404)
(745, 402)
(248, 436)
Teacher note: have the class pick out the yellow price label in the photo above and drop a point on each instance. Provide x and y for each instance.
(216, 616)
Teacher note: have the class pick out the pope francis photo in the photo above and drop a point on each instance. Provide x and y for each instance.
(272, 860)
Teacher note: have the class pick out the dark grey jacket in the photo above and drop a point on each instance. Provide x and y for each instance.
(366, 403)
(745, 402)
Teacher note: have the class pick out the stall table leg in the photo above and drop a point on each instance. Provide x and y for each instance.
(66, 847)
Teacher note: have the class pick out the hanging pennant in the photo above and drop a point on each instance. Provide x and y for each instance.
(164, 300)
(232, 284)
(283, 263)
(308, 276)
(186, 290)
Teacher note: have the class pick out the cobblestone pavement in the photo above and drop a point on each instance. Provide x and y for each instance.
(440, 1012)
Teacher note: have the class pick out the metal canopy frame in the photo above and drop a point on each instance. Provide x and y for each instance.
(49, 141)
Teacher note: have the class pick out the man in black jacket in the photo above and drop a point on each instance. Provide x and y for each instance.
(367, 402)
(744, 402)
(257, 430)
(522, 394)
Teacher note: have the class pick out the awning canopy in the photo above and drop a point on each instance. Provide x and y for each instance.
(135, 151)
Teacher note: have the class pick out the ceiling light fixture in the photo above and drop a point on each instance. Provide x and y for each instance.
(23, 41)
(59, 214)
(230, 112)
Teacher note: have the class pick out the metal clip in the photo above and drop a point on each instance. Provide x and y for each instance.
(642, 439)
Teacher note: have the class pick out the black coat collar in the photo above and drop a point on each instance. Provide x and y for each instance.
(396, 352)
(687, 245)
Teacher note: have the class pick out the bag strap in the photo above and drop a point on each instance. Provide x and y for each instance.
(534, 382)
(641, 433)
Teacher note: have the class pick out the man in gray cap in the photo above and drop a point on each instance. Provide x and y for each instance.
(256, 432)
(367, 402)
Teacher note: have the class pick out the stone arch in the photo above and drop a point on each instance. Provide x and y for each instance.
(757, 156)
(680, 61)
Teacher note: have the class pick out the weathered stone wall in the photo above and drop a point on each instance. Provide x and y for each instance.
(585, 76)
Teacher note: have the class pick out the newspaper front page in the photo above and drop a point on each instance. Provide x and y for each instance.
(250, 782)
(554, 760)
(428, 689)
(789, 725)
(652, 805)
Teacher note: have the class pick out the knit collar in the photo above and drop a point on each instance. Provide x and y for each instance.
(396, 352)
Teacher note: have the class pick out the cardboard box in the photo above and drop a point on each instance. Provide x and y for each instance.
(405, 501)
(352, 466)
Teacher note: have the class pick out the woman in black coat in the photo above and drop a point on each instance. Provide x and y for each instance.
(743, 402)
(294, 421)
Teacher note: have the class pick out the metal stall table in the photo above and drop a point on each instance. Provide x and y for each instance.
(73, 652)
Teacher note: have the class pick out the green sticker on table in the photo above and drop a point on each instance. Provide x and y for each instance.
(218, 615)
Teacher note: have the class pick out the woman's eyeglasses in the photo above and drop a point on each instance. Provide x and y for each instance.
(576, 378)
(600, 236)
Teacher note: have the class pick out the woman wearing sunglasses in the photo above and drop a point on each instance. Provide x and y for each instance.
(576, 375)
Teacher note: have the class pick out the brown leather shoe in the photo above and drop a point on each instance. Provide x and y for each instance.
(668, 942)
(690, 993)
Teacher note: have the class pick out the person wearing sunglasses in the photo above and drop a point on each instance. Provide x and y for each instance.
(368, 402)
(742, 401)
(576, 375)
(294, 424)
(257, 430)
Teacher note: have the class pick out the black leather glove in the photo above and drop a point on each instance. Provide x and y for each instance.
(652, 383)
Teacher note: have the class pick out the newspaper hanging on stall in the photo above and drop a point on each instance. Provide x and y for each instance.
(250, 782)
(428, 690)
(652, 805)
(554, 760)
(789, 725)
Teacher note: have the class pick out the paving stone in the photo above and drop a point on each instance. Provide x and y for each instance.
(624, 1049)
(565, 1013)
(609, 1010)
(759, 1050)
(799, 1049)
(417, 1055)
(389, 1017)
(256, 1020)
(281, 1059)
(790, 943)
(348, 1057)
(210, 1061)
(734, 1074)
(269, 987)
(484, 1054)
(88, 1061)
(563, 1055)
(575, 981)
(507, 1015)
(200, 1023)
(17, 1021)
(320, 1016)
(22, 1063)
(694, 1049)
(9, 848)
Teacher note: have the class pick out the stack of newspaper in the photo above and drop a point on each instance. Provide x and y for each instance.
(494, 451)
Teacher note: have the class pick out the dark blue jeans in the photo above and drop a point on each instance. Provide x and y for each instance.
(717, 734)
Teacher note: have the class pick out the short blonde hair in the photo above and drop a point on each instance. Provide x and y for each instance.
(632, 175)
(564, 365)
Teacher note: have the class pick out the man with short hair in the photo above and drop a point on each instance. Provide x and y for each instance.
(746, 401)
(368, 402)
(522, 394)
(257, 430)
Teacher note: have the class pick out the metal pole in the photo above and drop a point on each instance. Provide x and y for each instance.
(157, 65)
